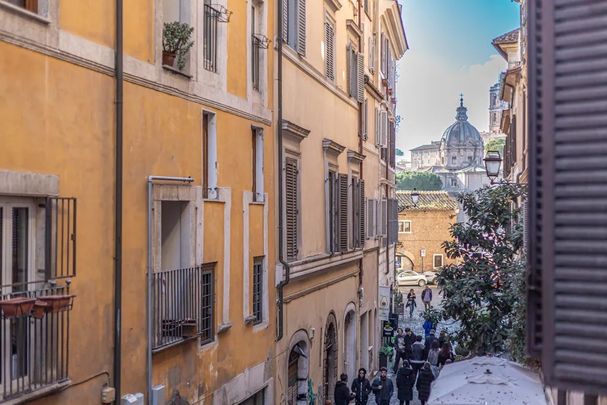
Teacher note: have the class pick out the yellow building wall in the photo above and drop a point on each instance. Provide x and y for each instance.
(429, 229)
(49, 127)
(93, 20)
(237, 47)
(139, 29)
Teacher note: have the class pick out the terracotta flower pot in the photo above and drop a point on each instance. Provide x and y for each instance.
(58, 303)
(40, 309)
(188, 328)
(19, 306)
(168, 58)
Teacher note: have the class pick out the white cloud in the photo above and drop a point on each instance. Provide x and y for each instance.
(428, 94)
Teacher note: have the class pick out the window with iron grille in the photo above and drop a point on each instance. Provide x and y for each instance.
(207, 329)
(257, 289)
(256, 47)
(209, 48)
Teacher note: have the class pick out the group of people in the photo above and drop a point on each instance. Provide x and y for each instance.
(360, 390)
(411, 303)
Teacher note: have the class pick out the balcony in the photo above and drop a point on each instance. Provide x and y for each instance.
(183, 302)
(34, 338)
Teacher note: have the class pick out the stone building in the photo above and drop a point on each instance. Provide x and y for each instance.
(422, 228)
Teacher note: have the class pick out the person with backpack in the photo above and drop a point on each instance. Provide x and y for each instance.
(424, 383)
(405, 380)
(361, 387)
(417, 354)
(383, 388)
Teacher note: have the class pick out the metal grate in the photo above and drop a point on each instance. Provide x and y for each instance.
(257, 289)
(211, 20)
(183, 305)
(34, 350)
(255, 60)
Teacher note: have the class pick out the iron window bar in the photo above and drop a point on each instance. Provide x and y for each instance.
(256, 46)
(262, 41)
(223, 13)
(211, 19)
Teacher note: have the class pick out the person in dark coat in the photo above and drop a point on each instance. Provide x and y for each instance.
(424, 383)
(342, 392)
(428, 343)
(417, 354)
(409, 340)
(428, 326)
(383, 388)
(445, 355)
(361, 387)
(405, 380)
(443, 338)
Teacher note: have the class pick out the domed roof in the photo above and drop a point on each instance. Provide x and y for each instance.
(462, 132)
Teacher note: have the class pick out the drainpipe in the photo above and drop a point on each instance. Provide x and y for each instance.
(281, 259)
(150, 275)
(118, 204)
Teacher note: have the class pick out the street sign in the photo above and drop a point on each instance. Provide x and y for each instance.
(384, 303)
(422, 252)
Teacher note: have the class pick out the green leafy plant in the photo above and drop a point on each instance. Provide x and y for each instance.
(176, 40)
(387, 350)
(484, 290)
(422, 181)
(433, 315)
(496, 144)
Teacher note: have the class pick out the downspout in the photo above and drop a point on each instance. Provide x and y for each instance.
(118, 204)
(281, 259)
(150, 275)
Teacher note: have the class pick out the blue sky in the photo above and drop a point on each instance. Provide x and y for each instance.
(450, 53)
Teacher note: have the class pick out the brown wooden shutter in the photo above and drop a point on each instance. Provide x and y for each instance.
(360, 78)
(285, 20)
(329, 51)
(569, 189)
(343, 212)
(355, 212)
(60, 237)
(334, 232)
(361, 220)
(291, 209)
(301, 27)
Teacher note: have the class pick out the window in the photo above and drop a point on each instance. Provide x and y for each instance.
(329, 50)
(33, 6)
(291, 209)
(355, 73)
(338, 212)
(209, 45)
(257, 399)
(255, 50)
(371, 218)
(404, 226)
(384, 217)
(437, 261)
(257, 289)
(209, 155)
(207, 329)
(174, 251)
(453, 159)
(294, 24)
(257, 177)
(363, 120)
(453, 182)
(358, 215)
(371, 53)
(178, 11)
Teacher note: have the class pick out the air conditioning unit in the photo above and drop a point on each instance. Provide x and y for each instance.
(132, 399)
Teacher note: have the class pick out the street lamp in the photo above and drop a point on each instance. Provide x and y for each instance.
(414, 197)
(493, 161)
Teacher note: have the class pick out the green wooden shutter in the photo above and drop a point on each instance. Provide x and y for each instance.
(291, 208)
(361, 219)
(343, 212)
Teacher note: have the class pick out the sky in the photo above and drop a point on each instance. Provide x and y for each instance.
(450, 53)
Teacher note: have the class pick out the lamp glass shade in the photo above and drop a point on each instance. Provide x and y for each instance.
(414, 197)
(493, 162)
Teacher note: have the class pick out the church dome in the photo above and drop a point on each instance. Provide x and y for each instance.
(462, 133)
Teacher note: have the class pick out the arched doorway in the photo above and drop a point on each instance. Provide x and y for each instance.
(350, 348)
(297, 375)
(405, 263)
(330, 358)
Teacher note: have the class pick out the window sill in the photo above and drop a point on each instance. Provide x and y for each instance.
(42, 392)
(224, 327)
(25, 13)
(176, 71)
(175, 343)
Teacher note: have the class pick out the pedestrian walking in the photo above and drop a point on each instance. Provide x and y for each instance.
(383, 388)
(411, 303)
(405, 380)
(361, 387)
(433, 353)
(417, 354)
(428, 326)
(428, 343)
(445, 355)
(409, 340)
(424, 383)
(443, 338)
(427, 297)
(342, 395)
(399, 345)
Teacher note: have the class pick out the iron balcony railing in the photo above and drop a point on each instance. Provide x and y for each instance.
(34, 339)
(211, 20)
(183, 301)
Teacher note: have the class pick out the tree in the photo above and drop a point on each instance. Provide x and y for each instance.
(484, 290)
(496, 144)
(419, 180)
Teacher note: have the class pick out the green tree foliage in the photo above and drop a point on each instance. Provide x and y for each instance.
(496, 144)
(485, 289)
(424, 181)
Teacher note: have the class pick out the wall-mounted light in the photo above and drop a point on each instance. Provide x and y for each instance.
(415, 197)
(493, 162)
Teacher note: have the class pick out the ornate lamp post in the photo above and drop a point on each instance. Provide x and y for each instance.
(493, 162)
(414, 197)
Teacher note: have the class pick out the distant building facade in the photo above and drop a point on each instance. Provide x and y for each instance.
(457, 158)
(422, 228)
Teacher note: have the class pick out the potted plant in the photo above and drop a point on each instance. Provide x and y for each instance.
(176, 43)
(40, 309)
(188, 328)
(58, 303)
(18, 306)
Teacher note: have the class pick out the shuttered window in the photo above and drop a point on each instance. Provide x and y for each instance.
(333, 202)
(568, 191)
(358, 213)
(291, 208)
(360, 78)
(371, 218)
(361, 220)
(363, 120)
(352, 71)
(343, 212)
(329, 50)
(294, 24)
(392, 144)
